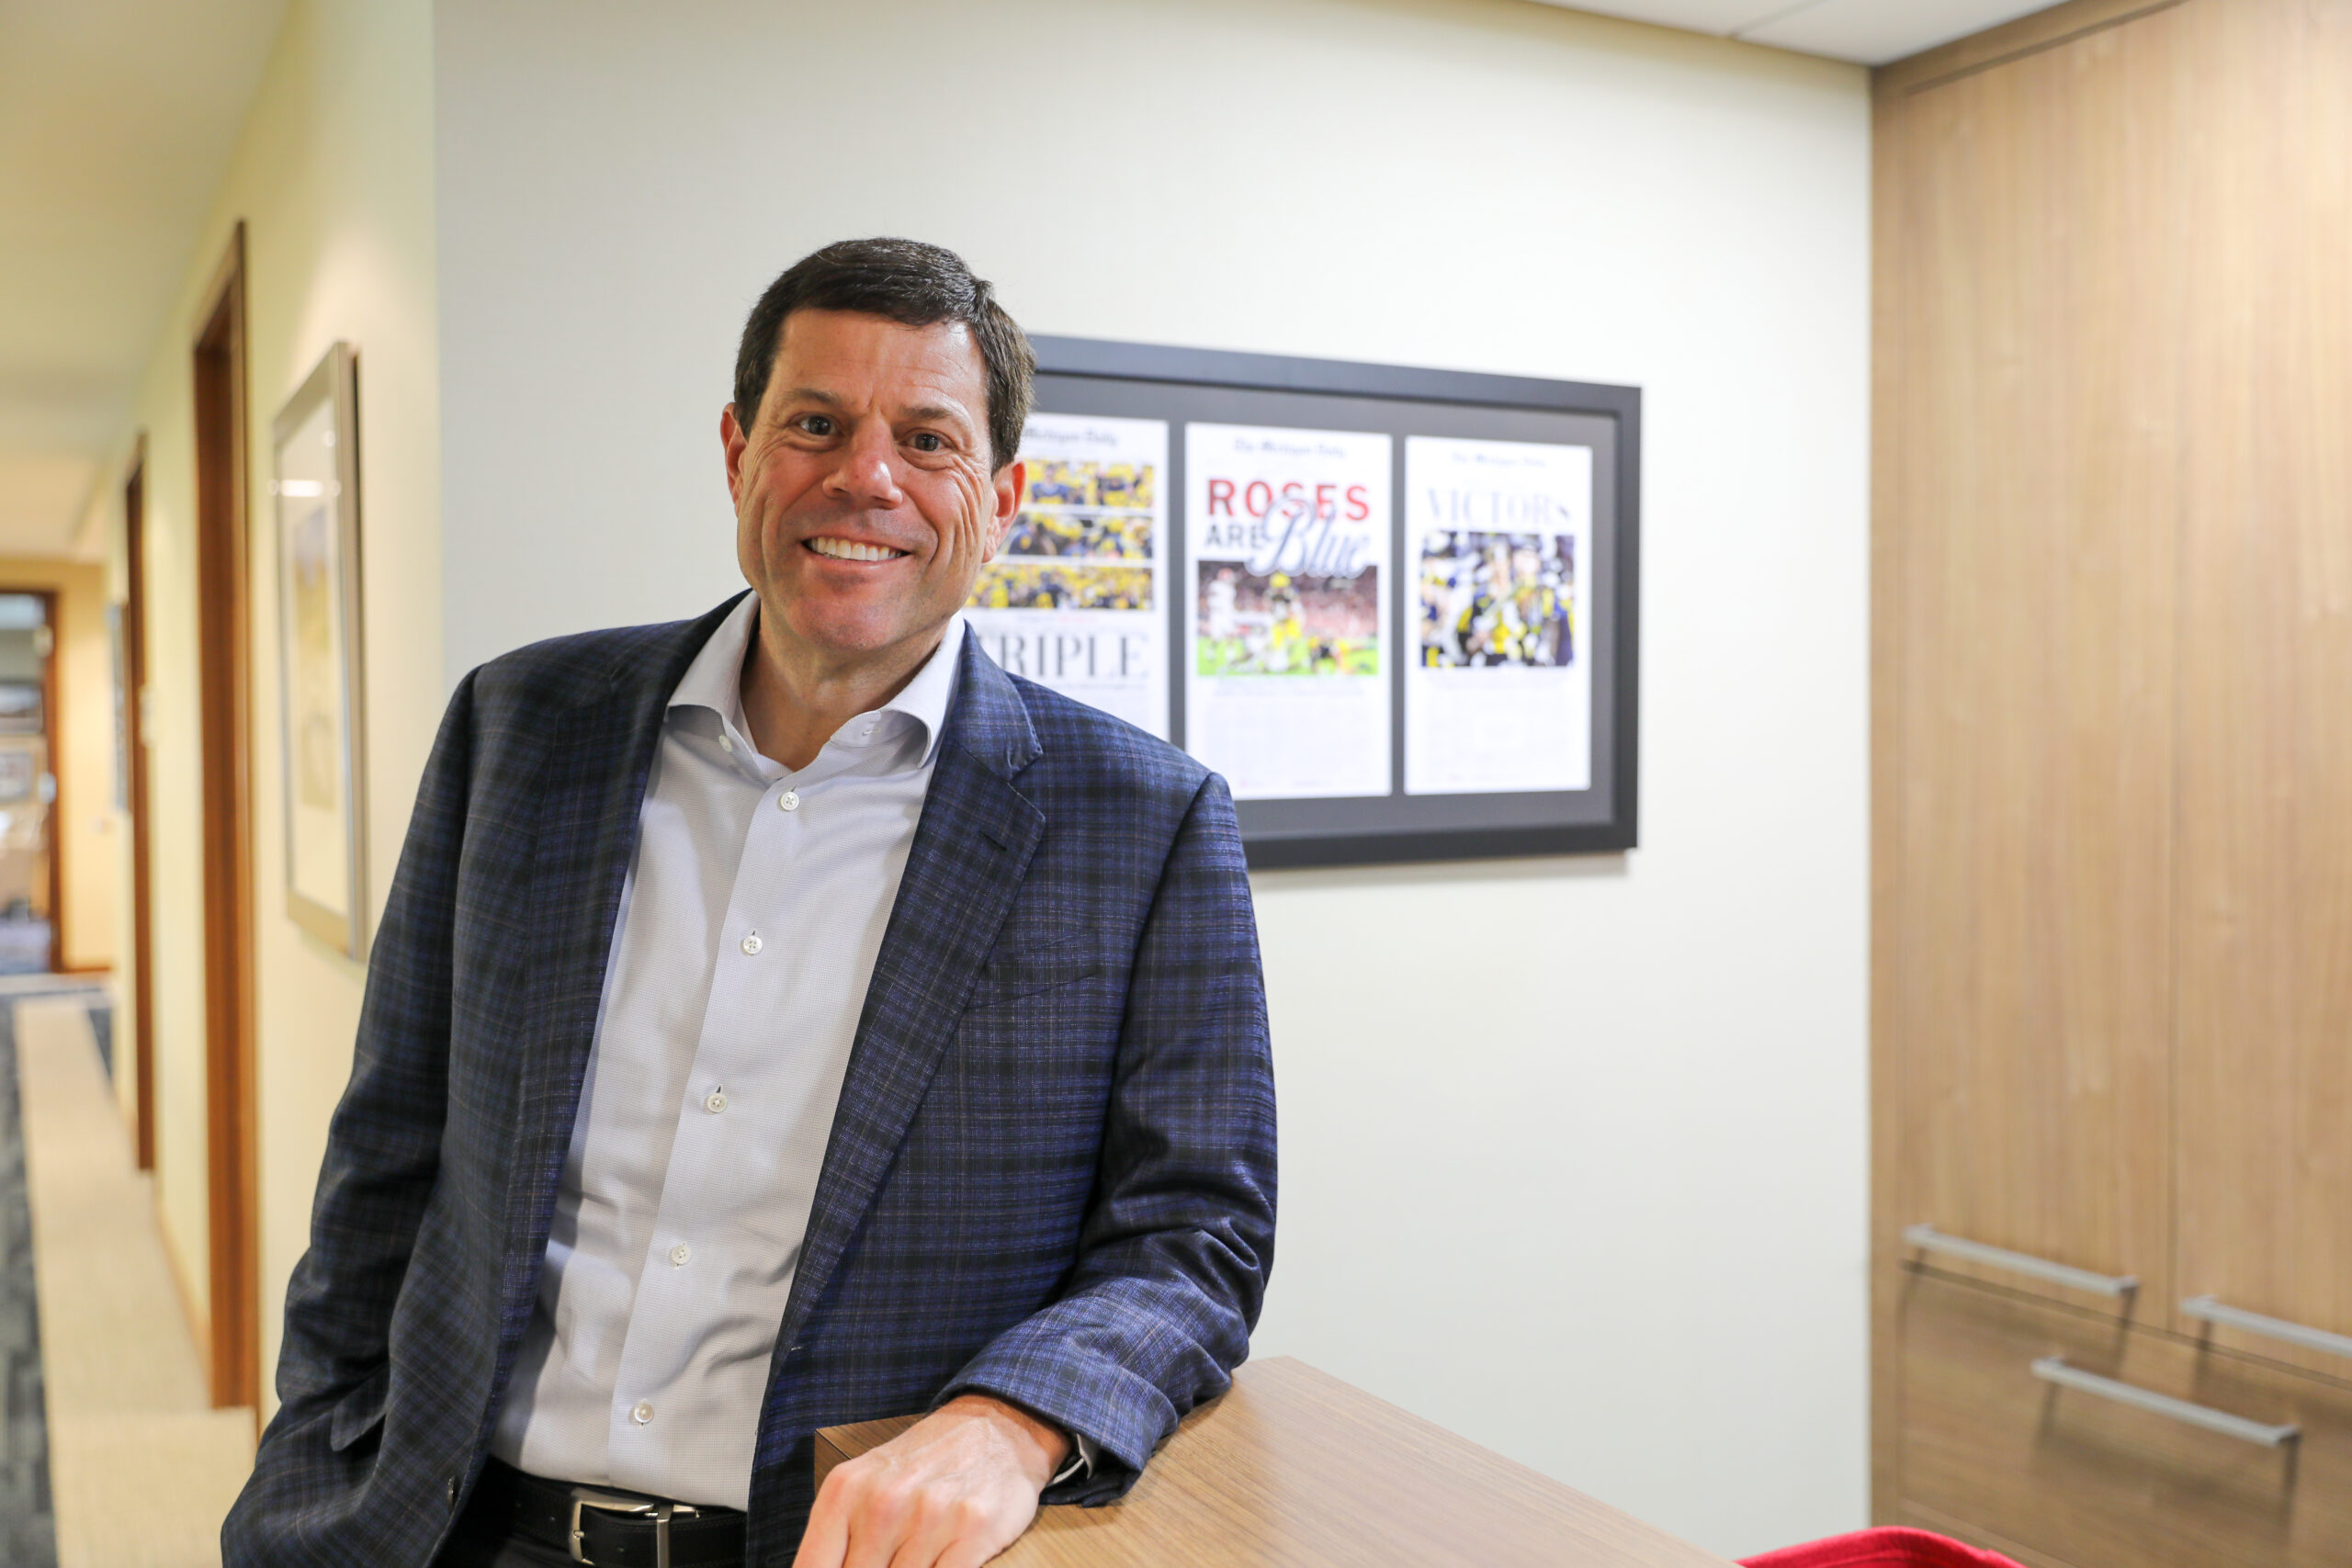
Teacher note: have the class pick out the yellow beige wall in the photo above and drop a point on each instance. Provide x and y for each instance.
(87, 832)
(333, 177)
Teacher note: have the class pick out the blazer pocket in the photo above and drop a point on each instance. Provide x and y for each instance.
(360, 1412)
(1030, 974)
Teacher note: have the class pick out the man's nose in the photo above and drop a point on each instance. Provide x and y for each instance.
(867, 474)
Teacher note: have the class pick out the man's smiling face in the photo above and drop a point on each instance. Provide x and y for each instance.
(867, 498)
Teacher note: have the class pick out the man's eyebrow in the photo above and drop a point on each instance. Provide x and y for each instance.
(946, 412)
(943, 412)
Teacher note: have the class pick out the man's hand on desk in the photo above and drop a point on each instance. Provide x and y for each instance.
(951, 1490)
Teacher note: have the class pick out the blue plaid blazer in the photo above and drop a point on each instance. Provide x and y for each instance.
(1051, 1177)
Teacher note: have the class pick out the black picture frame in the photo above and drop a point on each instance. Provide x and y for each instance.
(1185, 386)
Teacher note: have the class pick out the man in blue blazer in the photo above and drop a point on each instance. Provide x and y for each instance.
(786, 1018)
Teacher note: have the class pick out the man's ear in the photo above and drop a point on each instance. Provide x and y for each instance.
(1011, 484)
(732, 438)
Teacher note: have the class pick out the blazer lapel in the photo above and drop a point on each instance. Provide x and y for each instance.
(969, 854)
(598, 758)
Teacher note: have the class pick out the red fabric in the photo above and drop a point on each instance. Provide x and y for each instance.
(1881, 1548)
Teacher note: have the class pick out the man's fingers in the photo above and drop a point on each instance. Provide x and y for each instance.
(823, 1543)
(955, 1489)
(970, 1552)
(881, 1514)
(943, 1521)
(959, 1526)
(921, 1551)
(857, 1521)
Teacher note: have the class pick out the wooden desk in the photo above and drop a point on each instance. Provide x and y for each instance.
(1295, 1468)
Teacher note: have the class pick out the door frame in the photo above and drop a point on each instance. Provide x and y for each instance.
(224, 720)
(134, 723)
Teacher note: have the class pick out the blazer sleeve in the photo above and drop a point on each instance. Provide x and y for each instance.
(1175, 1251)
(383, 1145)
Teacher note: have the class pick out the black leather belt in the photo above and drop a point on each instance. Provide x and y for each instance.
(608, 1528)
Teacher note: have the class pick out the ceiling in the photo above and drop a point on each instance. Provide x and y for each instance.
(1868, 32)
(117, 120)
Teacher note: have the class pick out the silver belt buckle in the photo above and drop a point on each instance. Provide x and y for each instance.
(635, 1507)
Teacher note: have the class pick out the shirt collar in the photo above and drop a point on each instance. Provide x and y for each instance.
(925, 698)
(715, 680)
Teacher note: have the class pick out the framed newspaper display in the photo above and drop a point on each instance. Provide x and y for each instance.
(1397, 608)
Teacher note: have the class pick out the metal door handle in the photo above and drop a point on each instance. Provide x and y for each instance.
(2053, 1368)
(1927, 1238)
(2211, 1310)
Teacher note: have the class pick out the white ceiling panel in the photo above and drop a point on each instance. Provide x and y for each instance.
(1721, 18)
(1867, 32)
(1875, 31)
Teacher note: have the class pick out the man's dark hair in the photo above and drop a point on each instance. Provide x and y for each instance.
(914, 284)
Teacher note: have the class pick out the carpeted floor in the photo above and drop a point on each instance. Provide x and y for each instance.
(140, 1467)
(27, 1523)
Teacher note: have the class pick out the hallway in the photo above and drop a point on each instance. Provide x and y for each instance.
(140, 1468)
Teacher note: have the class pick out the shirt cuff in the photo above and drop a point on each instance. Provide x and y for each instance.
(1080, 1460)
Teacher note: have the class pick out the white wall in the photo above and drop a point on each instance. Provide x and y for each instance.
(1574, 1150)
(331, 176)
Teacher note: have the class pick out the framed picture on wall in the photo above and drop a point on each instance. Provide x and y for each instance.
(316, 488)
(1397, 608)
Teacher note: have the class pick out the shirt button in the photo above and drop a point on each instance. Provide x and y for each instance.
(727, 743)
(714, 1101)
(789, 801)
(680, 1253)
(641, 1413)
(751, 942)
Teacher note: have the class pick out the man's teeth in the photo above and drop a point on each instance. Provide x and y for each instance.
(849, 549)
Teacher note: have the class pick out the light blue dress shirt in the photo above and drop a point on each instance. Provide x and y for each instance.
(749, 928)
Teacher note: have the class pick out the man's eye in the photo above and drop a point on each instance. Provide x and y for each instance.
(816, 424)
(927, 441)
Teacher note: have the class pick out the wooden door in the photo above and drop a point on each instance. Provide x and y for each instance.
(2264, 1111)
(232, 1162)
(2030, 232)
(134, 719)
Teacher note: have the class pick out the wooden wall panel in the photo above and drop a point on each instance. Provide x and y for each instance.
(2265, 1118)
(2112, 929)
(2084, 1479)
(2026, 523)
(2030, 34)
